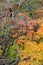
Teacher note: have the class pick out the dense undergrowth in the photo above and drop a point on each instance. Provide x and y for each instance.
(21, 32)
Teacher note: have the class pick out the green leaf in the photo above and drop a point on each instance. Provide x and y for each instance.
(13, 53)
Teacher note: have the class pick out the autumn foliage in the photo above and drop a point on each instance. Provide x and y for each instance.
(21, 36)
